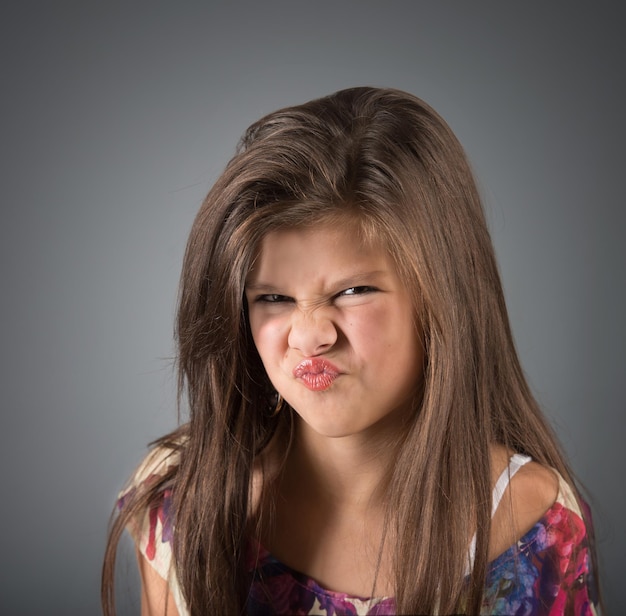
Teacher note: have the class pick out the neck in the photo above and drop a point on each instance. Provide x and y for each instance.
(341, 472)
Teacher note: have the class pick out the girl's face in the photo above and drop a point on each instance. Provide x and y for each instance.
(334, 326)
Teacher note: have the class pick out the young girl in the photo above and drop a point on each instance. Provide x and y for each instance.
(361, 438)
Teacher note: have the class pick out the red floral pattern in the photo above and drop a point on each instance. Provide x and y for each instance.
(547, 573)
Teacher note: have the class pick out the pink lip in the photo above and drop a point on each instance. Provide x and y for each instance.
(316, 373)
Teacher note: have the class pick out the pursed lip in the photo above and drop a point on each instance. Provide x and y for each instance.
(316, 373)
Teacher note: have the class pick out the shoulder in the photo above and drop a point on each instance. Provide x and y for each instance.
(534, 490)
(151, 524)
(148, 499)
(540, 538)
(540, 495)
(531, 492)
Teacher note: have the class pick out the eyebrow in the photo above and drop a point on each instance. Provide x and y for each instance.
(353, 280)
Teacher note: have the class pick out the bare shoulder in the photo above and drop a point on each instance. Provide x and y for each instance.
(531, 492)
(534, 489)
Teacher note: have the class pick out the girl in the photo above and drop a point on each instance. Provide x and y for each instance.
(361, 438)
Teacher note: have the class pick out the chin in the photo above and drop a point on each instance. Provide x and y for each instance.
(332, 428)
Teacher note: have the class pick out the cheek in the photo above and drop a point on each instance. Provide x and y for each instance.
(387, 337)
(267, 335)
(368, 330)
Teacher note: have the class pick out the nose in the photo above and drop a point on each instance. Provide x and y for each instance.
(312, 332)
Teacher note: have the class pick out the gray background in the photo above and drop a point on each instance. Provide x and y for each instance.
(117, 118)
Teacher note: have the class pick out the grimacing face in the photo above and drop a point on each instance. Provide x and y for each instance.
(334, 326)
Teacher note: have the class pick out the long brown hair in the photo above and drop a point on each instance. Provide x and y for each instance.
(384, 159)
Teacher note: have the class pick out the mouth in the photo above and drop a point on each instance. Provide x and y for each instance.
(316, 374)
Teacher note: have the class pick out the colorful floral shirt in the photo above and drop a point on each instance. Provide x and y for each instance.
(547, 572)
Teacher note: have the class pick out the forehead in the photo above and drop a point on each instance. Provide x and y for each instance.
(323, 248)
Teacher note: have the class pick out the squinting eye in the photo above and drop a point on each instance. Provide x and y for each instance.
(358, 290)
(271, 298)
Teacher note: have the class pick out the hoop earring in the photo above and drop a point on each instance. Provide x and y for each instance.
(279, 405)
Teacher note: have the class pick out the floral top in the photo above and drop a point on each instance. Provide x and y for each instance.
(547, 572)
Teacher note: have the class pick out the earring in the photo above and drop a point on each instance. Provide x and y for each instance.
(279, 405)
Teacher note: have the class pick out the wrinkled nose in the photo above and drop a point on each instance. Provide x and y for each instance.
(312, 333)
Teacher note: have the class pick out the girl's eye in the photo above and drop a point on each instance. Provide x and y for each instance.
(272, 298)
(358, 290)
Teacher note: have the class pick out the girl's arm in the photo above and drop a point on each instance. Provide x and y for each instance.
(156, 598)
